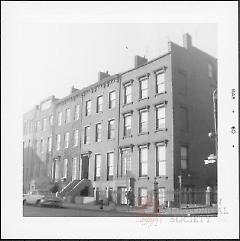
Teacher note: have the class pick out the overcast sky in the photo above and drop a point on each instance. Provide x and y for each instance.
(52, 53)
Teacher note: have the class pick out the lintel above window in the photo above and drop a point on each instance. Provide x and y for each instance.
(161, 143)
(143, 77)
(128, 82)
(143, 108)
(161, 70)
(144, 145)
(127, 113)
(163, 103)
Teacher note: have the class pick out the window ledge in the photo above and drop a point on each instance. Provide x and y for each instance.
(125, 137)
(146, 98)
(143, 133)
(99, 112)
(130, 103)
(162, 176)
(111, 139)
(161, 93)
(162, 129)
(144, 177)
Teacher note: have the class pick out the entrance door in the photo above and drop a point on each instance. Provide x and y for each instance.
(85, 166)
(122, 199)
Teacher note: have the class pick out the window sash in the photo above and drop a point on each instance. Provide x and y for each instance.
(143, 127)
(59, 118)
(161, 160)
(88, 107)
(49, 144)
(86, 134)
(65, 166)
(77, 112)
(143, 159)
(68, 115)
(127, 94)
(110, 160)
(98, 132)
(98, 165)
(127, 125)
(112, 99)
(99, 103)
(143, 89)
(126, 161)
(111, 129)
(58, 141)
(66, 140)
(75, 138)
(161, 117)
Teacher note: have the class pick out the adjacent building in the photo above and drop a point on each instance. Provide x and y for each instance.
(125, 131)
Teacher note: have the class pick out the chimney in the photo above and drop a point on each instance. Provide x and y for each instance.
(102, 75)
(73, 89)
(187, 41)
(138, 61)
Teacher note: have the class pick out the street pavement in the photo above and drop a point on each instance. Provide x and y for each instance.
(77, 210)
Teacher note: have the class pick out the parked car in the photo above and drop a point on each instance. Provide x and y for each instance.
(42, 198)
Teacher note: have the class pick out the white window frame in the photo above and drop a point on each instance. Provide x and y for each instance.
(111, 101)
(184, 158)
(143, 163)
(140, 128)
(60, 118)
(160, 83)
(88, 107)
(125, 99)
(110, 168)
(158, 107)
(98, 135)
(75, 137)
(86, 137)
(160, 171)
(125, 129)
(97, 166)
(141, 90)
(58, 142)
(99, 104)
(66, 139)
(65, 167)
(111, 129)
(77, 112)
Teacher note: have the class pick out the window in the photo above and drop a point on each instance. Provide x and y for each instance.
(143, 161)
(98, 132)
(77, 112)
(75, 168)
(87, 135)
(99, 104)
(51, 120)
(127, 93)
(65, 167)
(66, 138)
(75, 138)
(142, 196)
(42, 146)
(59, 118)
(161, 117)
(143, 89)
(68, 116)
(183, 119)
(97, 166)
(49, 144)
(126, 161)
(162, 196)
(58, 142)
(184, 157)
(44, 125)
(38, 125)
(111, 129)
(143, 121)
(160, 82)
(110, 160)
(127, 125)
(88, 107)
(112, 99)
(210, 70)
(161, 160)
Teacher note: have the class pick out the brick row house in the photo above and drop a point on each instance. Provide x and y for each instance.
(126, 130)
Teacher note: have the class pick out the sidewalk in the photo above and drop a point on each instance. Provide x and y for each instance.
(148, 210)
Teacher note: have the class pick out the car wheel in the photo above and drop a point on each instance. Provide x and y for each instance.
(38, 203)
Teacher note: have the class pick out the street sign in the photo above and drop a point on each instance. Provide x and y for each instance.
(209, 161)
(212, 157)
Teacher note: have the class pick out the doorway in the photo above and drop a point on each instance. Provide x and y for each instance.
(85, 167)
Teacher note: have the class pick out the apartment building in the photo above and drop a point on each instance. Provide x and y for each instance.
(149, 122)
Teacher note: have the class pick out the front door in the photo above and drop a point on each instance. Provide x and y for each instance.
(85, 166)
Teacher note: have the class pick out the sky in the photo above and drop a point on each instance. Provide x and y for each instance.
(54, 52)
